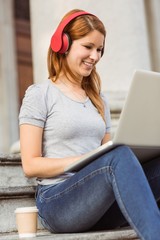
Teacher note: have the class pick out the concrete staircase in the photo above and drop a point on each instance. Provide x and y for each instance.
(18, 191)
(15, 190)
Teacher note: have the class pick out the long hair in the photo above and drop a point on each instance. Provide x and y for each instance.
(76, 29)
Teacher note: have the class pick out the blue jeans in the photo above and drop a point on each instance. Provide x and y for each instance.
(114, 183)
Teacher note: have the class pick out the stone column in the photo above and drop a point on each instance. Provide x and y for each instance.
(8, 78)
(153, 20)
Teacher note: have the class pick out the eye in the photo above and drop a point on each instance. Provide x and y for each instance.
(87, 46)
(99, 49)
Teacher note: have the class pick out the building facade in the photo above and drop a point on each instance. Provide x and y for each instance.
(133, 42)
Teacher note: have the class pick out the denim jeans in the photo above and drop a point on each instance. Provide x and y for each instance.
(115, 184)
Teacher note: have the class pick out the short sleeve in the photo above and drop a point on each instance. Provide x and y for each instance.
(33, 109)
(107, 113)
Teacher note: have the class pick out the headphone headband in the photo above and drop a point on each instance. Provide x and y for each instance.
(57, 38)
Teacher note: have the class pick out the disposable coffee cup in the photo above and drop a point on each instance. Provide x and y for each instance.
(26, 221)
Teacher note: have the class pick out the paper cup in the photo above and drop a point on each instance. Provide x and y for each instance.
(26, 220)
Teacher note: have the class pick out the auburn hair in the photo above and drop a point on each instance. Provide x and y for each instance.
(57, 63)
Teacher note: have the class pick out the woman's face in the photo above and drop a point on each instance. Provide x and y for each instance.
(84, 53)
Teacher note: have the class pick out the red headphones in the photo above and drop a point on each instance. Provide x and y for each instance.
(60, 41)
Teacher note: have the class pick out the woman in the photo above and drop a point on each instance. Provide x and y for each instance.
(66, 117)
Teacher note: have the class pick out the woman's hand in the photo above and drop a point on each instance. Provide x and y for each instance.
(107, 137)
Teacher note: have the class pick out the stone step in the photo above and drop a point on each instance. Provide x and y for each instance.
(7, 215)
(10, 199)
(123, 234)
(15, 191)
(11, 172)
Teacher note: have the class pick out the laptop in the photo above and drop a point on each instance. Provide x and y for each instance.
(139, 122)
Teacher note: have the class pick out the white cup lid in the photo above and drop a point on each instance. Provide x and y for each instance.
(26, 209)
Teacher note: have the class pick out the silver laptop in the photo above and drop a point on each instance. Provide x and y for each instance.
(139, 123)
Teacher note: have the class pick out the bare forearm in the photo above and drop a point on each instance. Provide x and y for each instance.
(46, 167)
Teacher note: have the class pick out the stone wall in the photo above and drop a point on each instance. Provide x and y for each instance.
(127, 46)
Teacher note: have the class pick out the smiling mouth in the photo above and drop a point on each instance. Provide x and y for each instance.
(90, 65)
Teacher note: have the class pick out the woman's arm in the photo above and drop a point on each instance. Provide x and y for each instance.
(107, 137)
(34, 165)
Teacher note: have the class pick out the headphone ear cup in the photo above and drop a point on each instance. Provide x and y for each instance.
(60, 42)
(66, 42)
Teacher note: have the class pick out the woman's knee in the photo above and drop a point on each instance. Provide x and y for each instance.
(124, 151)
(123, 156)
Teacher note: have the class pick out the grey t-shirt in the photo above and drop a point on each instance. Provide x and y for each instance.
(70, 128)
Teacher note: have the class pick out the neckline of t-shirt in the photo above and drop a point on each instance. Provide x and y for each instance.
(54, 85)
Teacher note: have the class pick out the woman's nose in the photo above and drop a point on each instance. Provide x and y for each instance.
(95, 55)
